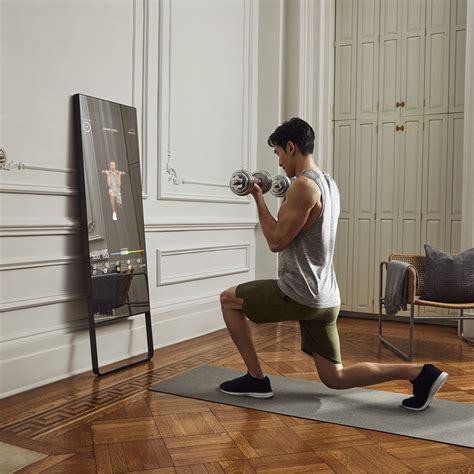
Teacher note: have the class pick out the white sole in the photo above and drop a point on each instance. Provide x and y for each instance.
(438, 383)
(249, 394)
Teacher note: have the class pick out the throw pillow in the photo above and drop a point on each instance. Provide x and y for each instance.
(449, 278)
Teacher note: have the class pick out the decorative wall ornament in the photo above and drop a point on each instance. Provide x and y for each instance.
(6, 165)
(172, 174)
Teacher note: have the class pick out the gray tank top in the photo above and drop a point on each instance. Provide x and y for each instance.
(305, 268)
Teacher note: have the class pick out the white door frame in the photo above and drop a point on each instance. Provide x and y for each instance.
(467, 212)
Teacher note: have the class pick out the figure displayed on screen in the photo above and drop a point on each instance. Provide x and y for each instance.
(114, 183)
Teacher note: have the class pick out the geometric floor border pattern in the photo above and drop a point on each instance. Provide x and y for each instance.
(35, 426)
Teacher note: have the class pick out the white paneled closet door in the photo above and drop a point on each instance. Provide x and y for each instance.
(397, 149)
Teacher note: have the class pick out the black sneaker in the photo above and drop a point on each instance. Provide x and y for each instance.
(248, 385)
(425, 387)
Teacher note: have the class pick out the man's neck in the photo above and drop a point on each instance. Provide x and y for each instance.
(305, 163)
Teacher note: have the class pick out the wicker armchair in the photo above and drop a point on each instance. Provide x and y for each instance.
(415, 298)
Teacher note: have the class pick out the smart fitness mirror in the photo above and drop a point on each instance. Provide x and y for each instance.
(112, 215)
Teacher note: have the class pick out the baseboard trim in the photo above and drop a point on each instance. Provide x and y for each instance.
(64, 355)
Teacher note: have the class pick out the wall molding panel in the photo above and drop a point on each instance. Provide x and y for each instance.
(166, 149)
(25, 303)
(203, 256)
(22, 188)
(197, 226)
(33, 227)
(13, 264)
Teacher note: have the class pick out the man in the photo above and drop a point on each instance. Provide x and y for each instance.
(114, 183)
(306, 289)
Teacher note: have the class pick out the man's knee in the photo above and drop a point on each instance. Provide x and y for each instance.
(331, 377)
(333, 381)
(229, 300)
(224, 297)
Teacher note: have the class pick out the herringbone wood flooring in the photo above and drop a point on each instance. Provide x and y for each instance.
(114, 424)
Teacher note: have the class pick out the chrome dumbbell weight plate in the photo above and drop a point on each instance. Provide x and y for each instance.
(280, 185)
(242, 182)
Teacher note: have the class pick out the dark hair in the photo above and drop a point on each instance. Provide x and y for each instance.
(294, 130)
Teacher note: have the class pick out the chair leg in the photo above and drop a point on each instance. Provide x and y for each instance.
(412, 327)
(461, 328)
(460, 323)
(391, 346)
(384, 341)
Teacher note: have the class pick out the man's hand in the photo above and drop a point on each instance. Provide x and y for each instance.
(257, 190)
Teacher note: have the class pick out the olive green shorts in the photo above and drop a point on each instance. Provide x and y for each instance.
(264, 302)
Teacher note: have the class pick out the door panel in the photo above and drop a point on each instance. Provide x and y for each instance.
(364, 213)
(437, 56)
(387, 169)
(454, 180)
(344, 164)
(413, 57)
(435, 151)
(363, 258)
(457, 55)
(345, 60)
(390, 57)
(343, 261)
(410, 176)
(367, 58)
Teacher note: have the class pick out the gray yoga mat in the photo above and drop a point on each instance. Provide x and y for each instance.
(444, 421)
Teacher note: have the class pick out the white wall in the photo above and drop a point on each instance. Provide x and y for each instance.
(191, 70)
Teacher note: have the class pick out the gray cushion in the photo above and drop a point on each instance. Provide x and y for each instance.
(449, 278)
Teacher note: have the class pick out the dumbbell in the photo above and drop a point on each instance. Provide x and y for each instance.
(242, 182)
(280, 185)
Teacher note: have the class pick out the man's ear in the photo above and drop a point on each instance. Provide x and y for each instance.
(290, 148)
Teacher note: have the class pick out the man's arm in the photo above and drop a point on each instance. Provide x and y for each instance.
(294, 212)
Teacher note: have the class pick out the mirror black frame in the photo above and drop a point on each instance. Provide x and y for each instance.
(93, 324)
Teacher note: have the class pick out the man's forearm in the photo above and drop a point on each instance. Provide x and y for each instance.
(267, 221)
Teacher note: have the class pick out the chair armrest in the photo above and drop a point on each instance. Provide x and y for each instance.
(411, 285)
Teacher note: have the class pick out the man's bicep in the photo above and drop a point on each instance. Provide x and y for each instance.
(293, 216)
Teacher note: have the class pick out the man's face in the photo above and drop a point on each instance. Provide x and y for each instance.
(112, 165)
(285, 160)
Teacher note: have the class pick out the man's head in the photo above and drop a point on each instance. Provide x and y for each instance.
(291, 139)
(112, 165)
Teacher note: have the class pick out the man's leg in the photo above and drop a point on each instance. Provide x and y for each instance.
(112, 199)
(362, 374)
(239, 330)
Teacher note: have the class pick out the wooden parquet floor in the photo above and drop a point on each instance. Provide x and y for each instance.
(115, 424)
